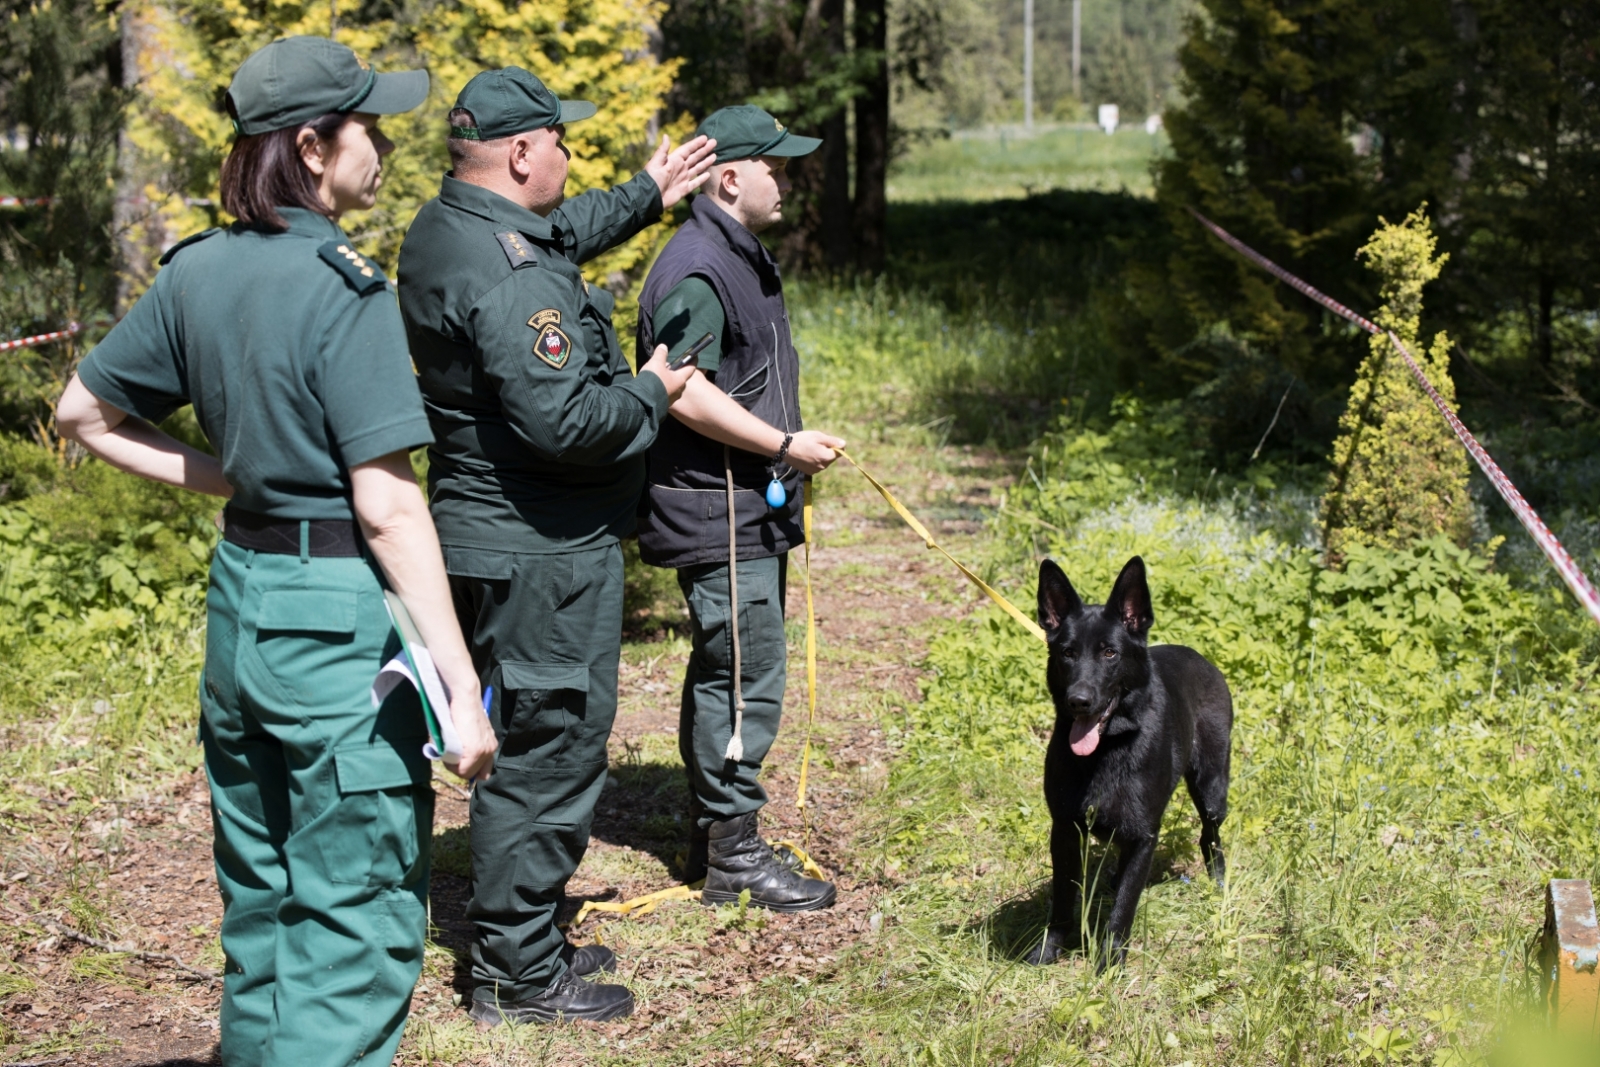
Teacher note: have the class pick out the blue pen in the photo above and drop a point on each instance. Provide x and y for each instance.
(488, 701)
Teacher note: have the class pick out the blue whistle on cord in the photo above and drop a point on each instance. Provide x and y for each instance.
(777, 495)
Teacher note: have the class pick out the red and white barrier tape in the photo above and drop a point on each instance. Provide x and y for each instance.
(46, 201)
(1570, 573)
(42, 338)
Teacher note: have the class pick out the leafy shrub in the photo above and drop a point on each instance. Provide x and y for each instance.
(25, 468)
(102, 587)
(1411, 751)
(1399, 473)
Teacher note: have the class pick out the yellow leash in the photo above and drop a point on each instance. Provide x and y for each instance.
(637, 906)
(922, 531)
(644, 905)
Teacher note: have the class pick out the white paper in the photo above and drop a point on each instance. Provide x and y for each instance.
(415, 665)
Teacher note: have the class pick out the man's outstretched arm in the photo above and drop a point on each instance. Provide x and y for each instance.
(602, 219)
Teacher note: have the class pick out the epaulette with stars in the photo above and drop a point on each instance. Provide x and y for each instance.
(363, 275)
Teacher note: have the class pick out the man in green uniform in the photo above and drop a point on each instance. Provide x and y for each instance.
(540, 436)
(724, 498)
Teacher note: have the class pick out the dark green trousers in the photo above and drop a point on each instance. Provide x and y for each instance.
(323, 812)
(726, 789)
(546, 632)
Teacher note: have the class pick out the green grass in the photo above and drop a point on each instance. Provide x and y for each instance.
(1000, 163)
(1413, 750)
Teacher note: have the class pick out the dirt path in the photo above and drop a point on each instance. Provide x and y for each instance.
(142, 874)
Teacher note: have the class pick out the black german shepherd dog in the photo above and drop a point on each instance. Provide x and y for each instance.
(1130, 721)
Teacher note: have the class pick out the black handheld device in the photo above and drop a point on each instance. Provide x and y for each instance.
(692, 351)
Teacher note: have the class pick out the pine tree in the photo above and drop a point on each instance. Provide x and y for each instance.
(1399, 474)
(587, 49)
(1532, 276)
(1301, 122)
(61, 106)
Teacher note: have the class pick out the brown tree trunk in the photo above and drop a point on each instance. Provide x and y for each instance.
(835, 151)
(1546, 328)
(872, 137)
(139, 230)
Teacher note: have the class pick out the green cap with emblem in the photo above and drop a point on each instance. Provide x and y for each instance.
(745, 131)
(295, 80)
(510, 101)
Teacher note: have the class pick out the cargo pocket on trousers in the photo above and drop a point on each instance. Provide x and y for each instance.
(545, 701)
(761, 641)
(304, 637)
(550, 853)
(374, 834)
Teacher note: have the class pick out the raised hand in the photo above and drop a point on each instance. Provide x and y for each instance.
(680, 171)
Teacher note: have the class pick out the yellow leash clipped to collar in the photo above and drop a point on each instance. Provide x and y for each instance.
(922, 531)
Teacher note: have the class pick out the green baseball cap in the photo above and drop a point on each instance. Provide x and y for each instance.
(509, 101)
(745, 131)
(297, 79)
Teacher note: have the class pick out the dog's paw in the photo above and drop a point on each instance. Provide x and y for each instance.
(1048, 950)
(1111, 956)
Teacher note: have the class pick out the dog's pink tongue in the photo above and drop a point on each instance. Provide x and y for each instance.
(1084, 735)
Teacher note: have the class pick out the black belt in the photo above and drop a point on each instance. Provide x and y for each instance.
(322, 538)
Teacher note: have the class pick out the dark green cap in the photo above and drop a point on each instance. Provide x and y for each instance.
(745, 131)
(510, 100)
(297, 79)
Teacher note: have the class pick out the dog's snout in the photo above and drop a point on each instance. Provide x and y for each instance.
(1080, 698)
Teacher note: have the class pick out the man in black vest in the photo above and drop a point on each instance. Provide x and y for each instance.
(725, 484)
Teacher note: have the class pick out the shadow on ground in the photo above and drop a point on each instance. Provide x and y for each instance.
(645, 807)
(1016, 926)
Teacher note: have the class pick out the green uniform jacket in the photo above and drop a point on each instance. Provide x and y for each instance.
(289, 348)
(540, 427)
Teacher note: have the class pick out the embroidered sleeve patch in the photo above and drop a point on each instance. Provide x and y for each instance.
(515, 246)
(364, 277)
(551, 345)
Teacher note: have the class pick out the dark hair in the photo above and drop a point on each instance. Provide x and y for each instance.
(264, 172)
(459, 147)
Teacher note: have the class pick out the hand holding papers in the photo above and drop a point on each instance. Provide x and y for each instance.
(416, 666)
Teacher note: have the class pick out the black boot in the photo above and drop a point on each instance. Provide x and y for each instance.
(738, 859)
(567, 998)
(694, 862)
(585, 961)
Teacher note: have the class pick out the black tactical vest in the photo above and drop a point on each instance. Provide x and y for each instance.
(684, 516)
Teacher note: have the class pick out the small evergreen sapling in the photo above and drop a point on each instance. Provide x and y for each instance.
(1399, 474)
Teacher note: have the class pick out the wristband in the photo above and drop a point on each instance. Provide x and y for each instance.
(788, 439)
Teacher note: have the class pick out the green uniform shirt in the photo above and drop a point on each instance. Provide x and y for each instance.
(291, 350)
(541, 428)
(688, 312)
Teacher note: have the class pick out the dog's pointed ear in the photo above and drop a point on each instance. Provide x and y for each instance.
(1057, 598)
(1129, 603)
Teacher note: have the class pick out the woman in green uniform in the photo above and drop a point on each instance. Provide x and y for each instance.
(290, 347)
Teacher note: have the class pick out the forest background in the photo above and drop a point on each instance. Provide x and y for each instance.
(1414, 721)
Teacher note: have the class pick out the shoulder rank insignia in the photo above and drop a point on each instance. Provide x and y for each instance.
(364, 276)
(551, 345)
(515, 246)
(193, 238)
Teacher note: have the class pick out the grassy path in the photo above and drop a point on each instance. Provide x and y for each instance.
(878, 596)
(138, 872)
